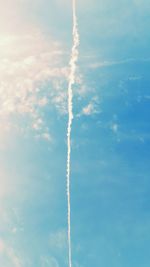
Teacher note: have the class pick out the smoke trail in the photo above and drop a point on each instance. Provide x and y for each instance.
(73, 61)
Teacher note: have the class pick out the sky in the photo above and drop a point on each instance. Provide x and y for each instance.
(110, 170)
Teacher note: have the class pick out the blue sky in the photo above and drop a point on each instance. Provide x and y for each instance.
(110, 217)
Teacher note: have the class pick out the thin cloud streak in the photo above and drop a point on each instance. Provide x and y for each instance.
(73, 61)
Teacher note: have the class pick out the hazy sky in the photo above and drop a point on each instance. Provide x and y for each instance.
(110, 210)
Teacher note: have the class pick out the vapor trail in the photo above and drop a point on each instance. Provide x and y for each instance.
(73, 61)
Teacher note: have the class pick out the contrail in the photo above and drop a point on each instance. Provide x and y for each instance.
(73, 61)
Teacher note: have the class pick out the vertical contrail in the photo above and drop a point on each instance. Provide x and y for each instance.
(73, 61)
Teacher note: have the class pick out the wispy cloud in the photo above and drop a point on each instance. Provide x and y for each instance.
(9, 256)
(91, 108)
(109, 63)
(32, 74)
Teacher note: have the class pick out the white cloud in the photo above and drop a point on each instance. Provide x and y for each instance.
(15, 260)
(109, 63)
(91, 108)
(46, 136)
(32, 74)
(114, 127)
(9, 256)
